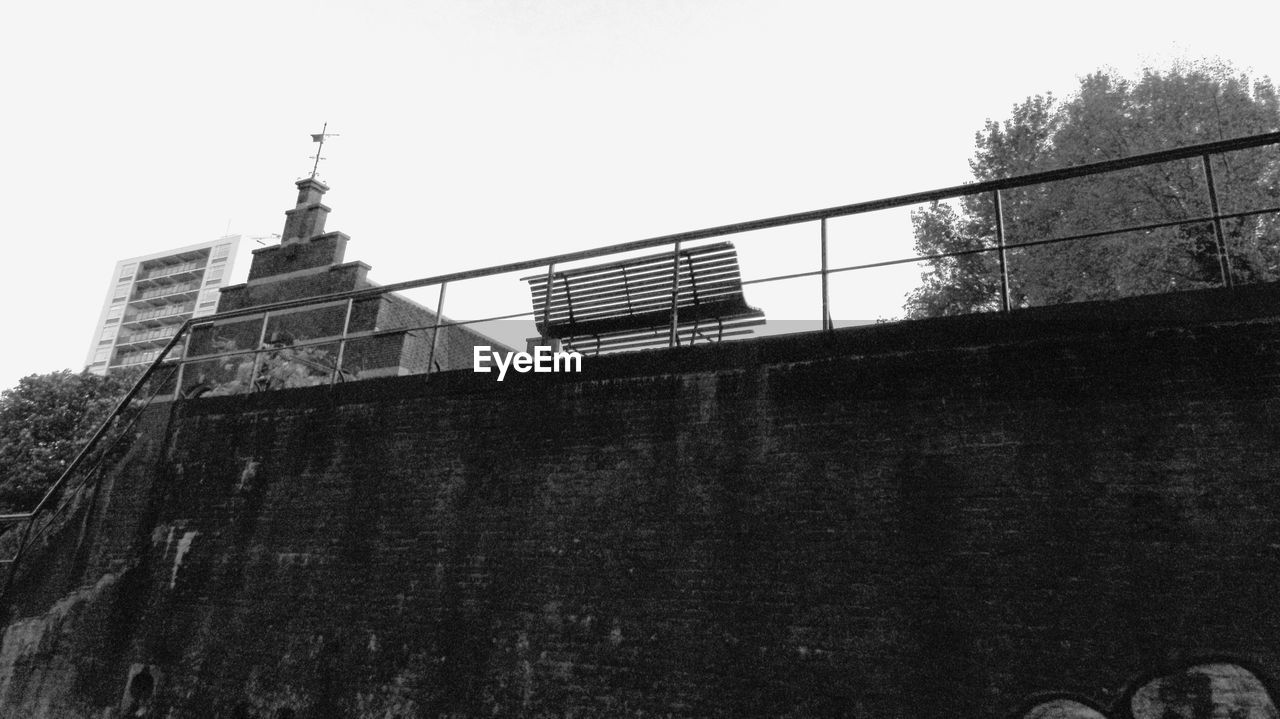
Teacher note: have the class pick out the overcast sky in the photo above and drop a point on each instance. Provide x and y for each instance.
(476, 132)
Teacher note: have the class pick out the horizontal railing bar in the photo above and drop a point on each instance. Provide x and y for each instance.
(1008, 246)
(1246, 213)
(486, 319)
(814, 273)
(441, 325)
(1141, 228)
(350, 337)
(333, 339)
(195, 359)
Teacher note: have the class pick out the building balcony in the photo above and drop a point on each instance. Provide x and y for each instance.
(165, 295)
(169, 275)
(148, 338)
(139, 359)
(158, 317)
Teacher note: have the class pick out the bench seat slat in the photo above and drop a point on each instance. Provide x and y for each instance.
(719, 307)
(619, 342)
(652, 318)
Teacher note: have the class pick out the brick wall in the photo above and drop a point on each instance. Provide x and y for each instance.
(314, 252)
(934, 518)
(338, 278)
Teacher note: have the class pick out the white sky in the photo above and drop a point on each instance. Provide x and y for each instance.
(476, 132)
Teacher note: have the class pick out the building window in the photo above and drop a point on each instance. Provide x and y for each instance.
(221, 251)
(115, 312)
(214, 273)
(101, 355)
(110, 333)
(128, 269)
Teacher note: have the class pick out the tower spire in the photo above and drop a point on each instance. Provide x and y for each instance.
(320, 139)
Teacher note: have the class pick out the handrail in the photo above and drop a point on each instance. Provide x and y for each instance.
(80, 457)
(771, 222)
(916, 198)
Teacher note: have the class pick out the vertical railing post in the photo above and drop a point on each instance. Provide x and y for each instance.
(546, 302)
(1224, 258)
(546, 308)
(257, 353)
(827, 324)
(675, 298)
(182, 362)
(1004, 266)
(435, 333)
(342, 343)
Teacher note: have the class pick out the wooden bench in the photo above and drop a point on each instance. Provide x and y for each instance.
(626, 305)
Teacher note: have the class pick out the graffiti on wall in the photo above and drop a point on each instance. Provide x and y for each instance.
(1210, 688)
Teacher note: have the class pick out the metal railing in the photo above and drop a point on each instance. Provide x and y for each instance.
(159, 313)
(149, 335)
(168, 290)
(323, 356)
(165, 271)
(82, 473)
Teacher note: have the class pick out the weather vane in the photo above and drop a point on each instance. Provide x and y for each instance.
(320, 139)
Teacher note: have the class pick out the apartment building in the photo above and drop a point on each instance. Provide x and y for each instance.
(149, 297)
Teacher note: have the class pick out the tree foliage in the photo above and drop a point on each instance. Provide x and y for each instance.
(1110, 117)
(44, 421)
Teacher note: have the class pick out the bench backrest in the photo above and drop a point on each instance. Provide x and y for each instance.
(625, 304)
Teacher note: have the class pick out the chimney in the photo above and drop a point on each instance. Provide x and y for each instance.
(307, 219)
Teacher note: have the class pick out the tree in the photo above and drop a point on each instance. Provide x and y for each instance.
(44, 421)
(1110, 117)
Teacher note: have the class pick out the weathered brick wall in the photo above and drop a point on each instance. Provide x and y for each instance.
(339, 278)
(933, 518)
(319, 251)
